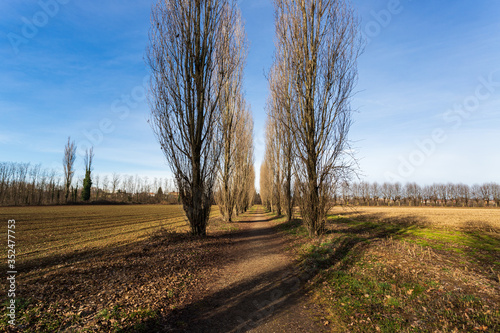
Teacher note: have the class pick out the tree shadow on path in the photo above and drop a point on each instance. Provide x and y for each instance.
(253, 300)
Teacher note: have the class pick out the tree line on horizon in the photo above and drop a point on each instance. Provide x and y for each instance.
(413, 194)
(26, 184)
(391, 194)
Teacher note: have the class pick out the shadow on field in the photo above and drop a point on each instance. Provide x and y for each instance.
(347, 237)
(238, 308)
(477, 241)
(270, 218)
(483, 242)
(144, 273)
(84, 255)
(245, 304)
(250, 303)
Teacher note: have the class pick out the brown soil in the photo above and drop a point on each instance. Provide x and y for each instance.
(259, 290)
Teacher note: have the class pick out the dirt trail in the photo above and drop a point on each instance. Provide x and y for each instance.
(260, 289)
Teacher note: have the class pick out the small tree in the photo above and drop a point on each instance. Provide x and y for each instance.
(68, 161)
(87, 181)
(159, 195)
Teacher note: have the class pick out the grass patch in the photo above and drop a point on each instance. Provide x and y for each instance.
(293, 227)
(369, 295)
(476, 246)
(118, 320)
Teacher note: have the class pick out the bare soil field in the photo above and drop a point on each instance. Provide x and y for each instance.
(52, 230)
(104, 268)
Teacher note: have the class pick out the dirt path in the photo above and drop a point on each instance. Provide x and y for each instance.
(260, 289)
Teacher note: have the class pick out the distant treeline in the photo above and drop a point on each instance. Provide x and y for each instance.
(412, 194)
(24, 184)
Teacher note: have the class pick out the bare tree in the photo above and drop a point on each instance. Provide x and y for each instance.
(345, 192)
(115, 181)
(387, 192)
(68, 162)
(232, 108)
(265, 185)
(452, 193)
(442, 192)
(463, 192)
(192, 54)
(434, 193)
(280, 139)
(375, 192)
(412, 191)
(356, 193)
(273, 156)
(321, 43)
(6, 175)
(398, 193)
(105, 186)
(244, 172)
(364, 191)
(97, 189)
(495, 191)
(426, 194)
(485, 191)
(20, 187)
(34, 173)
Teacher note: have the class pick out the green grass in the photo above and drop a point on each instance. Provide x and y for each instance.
(293, 227)
(475, 239)
(479, 246)
(118, 320)
(366, 297)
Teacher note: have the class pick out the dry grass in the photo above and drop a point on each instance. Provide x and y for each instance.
(435, 217)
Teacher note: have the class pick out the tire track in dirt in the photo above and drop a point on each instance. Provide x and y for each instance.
(260, 290)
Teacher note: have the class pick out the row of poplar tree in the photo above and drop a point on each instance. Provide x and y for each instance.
(196, 54)
(309, 114)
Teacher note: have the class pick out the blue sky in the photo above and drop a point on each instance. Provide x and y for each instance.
(427, 102)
